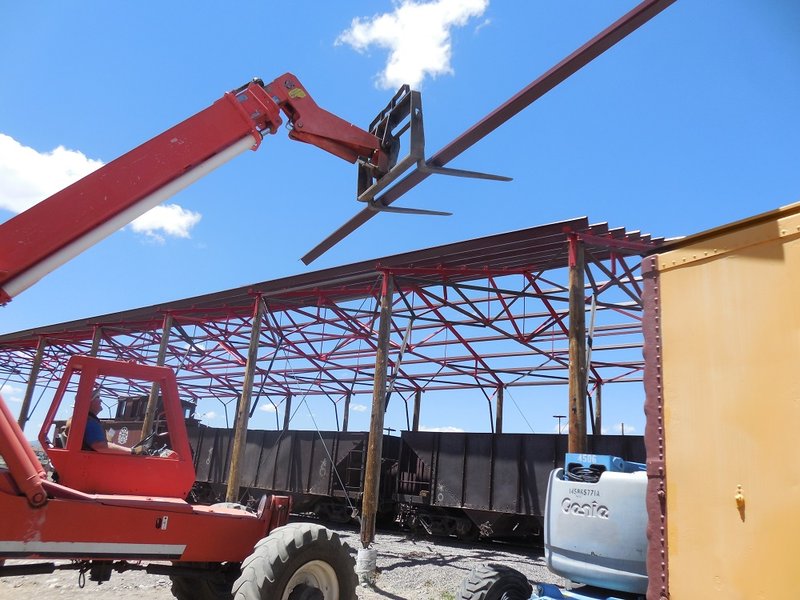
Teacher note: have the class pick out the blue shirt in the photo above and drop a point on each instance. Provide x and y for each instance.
(94, 432)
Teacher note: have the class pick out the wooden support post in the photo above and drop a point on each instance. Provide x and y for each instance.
(498, 427)
(417, 406)
(243, 410)
(97, 336)
(577, 347)
(152, 400)
(34, 375)
(346, 418)
(287, 411)
(598, 406)
(372, 473)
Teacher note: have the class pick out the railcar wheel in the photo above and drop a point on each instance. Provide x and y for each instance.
(495, 582)
(299, 561)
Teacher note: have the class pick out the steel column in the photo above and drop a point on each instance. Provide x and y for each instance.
(243, 412)
(152, 400)
(577, 347)
(26, 401)
(372, 473)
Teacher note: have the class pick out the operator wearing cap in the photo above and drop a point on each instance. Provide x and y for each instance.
(94, 437)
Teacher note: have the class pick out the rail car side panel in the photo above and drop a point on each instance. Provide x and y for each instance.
(492, 472)
(727, 344)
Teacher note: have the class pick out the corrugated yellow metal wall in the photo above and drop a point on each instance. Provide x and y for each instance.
(730, 336)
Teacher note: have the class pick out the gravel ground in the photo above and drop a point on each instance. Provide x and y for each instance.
(408, 567)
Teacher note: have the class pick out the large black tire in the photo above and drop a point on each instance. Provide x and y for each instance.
(299, 561)
(495, 582)
(199, 588)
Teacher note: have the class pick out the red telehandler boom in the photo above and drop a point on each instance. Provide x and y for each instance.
(118, 511)
(57, 229)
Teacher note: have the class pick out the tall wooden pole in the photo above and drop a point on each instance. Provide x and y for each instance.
(287, 411)
(372, 473)
(34, 375)
(152, 400)
(97, 336)
(577, 347)
(498, 427)
(346, 418)
(417, 407)
(598, 408)
(243, 411)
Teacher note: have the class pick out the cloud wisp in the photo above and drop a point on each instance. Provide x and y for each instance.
(444, 429)
(418, 36)
(28, 176)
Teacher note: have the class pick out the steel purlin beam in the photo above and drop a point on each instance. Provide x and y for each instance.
(629, 272)
(512, 318)
(359, 333)
(313, 360)
(505, 334)
(614, 279)
(613, 276)
(557, 318)
(596, 46)
(449, 272)
(492, 326)
(424, 359)
(455, 332)
(635, 247)
(309, 340)
(410, 347)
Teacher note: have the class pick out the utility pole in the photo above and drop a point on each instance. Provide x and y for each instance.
(34, 375)
(577, 347)
(243, 410)
(417, 407)
(498, 427)
(372, 474)
(152, 400)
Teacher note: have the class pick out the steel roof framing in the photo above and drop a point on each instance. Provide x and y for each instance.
(476, 314)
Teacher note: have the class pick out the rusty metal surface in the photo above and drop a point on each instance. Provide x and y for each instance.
(657, 565)
(505, 473)
(297, 462)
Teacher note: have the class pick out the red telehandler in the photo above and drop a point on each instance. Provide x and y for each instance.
(115, 511)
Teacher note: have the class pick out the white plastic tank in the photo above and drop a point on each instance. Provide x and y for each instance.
(596, 526)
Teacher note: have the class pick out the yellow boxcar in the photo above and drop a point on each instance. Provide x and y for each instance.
(722, 346)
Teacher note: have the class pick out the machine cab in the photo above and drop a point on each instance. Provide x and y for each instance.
(170, 474)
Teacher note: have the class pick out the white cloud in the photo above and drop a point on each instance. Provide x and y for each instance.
(270, 408)
(417, 36)
(358, 407)
(12, 393)
(446, 429)
(169, 219)
(28, 176)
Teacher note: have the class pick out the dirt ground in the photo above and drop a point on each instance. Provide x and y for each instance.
(408, 568)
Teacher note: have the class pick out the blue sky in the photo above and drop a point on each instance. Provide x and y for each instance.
(689, 123)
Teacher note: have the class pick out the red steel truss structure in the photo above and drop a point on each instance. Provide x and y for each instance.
(486, 313)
